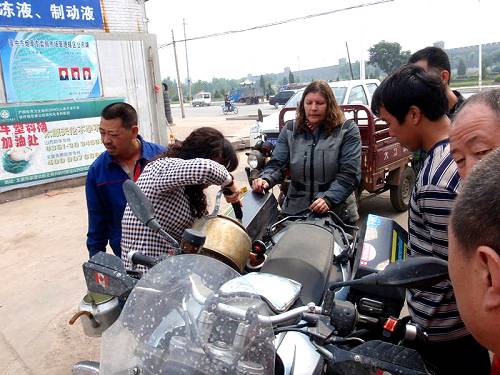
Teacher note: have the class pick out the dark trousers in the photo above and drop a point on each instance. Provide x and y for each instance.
(463, 356)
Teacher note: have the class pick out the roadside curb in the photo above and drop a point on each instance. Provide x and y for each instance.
(246, 117)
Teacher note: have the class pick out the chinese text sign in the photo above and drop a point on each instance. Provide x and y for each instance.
(47, 66)
(82, 14)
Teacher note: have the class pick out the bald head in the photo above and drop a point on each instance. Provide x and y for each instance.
(475, 130)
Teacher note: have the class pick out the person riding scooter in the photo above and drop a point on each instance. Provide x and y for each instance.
(227, 103)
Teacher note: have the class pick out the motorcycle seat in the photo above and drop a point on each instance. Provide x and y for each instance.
(304, 253)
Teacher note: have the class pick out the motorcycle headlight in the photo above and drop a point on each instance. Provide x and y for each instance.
(255, 159)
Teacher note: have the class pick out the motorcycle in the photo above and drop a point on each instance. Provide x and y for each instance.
(257, 158)
(232, 108)
(192, 314)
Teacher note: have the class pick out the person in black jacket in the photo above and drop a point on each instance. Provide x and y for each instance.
(322, 151)
(166, 103)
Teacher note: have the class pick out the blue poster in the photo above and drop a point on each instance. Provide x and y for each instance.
(45, 67)
(79, 14)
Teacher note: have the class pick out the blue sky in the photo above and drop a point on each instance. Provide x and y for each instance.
(311, 43)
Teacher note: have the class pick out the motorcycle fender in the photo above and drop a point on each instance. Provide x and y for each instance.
(298, 354)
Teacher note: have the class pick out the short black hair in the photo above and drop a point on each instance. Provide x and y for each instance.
(475, 218)
(490, 98)
(436, 58)
(411, 85)
(123, 111)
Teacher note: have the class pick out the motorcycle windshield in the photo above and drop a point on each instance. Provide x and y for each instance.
(175, 322)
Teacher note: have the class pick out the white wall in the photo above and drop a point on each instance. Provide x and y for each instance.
(126, 71)
(124, 15)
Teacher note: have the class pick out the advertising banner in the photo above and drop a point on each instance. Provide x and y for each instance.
(81, 14)
(49, 67)
(64, 141)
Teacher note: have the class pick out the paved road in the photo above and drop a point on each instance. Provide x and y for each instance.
(215, 110)
(42, 249)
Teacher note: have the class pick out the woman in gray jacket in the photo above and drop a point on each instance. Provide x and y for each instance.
(322, 152)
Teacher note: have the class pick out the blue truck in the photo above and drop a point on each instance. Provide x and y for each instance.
(247, 93)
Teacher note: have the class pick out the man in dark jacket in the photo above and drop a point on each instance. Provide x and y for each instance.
(125, 157)
(166, 103)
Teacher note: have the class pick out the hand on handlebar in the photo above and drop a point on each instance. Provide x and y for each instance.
(260, 185)
(319, 206)
(234, 197)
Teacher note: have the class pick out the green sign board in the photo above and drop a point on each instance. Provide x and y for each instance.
(41, 142)
(11, 114)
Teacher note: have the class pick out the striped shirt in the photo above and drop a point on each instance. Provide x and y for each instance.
(163, 181)
(434, 308)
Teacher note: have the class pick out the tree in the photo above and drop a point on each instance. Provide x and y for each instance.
(496, 57)
(262, 83)
(291, 78)
(270, 90)
(486, 63)
(471, 60)
(285, 81)
(462, 68)
(388, 56)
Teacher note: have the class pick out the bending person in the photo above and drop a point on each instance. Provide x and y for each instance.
(174, 183)
(322, 151)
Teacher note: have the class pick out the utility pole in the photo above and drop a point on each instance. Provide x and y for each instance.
(187, 64)
(480, 52)
(349, 58)
(179, 83)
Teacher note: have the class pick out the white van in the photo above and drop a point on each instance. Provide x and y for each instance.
(202, 99)
(346, 92)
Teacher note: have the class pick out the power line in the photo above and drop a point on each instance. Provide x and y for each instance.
(276, 23)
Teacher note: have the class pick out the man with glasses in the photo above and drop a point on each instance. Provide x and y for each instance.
(125, 157)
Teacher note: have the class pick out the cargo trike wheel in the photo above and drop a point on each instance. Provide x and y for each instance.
(400, 194)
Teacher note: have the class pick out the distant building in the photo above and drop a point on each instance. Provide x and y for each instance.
(439, 44)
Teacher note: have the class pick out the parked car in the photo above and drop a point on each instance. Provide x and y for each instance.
(282, 97)
(202, 99)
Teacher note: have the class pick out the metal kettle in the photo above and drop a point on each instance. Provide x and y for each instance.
(97, 312)
(226, 238)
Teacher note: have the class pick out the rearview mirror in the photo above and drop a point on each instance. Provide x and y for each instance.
(417, 272)
(414, 272)
(141, 206)
(143, 209)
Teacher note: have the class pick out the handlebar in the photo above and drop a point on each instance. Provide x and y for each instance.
(238, 212)
(138, 258)
(238, 313)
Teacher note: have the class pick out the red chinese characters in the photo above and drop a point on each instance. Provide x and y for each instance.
(15, 135)
(20, 141)
(5, 129)
(33, 140)
(6, 143)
